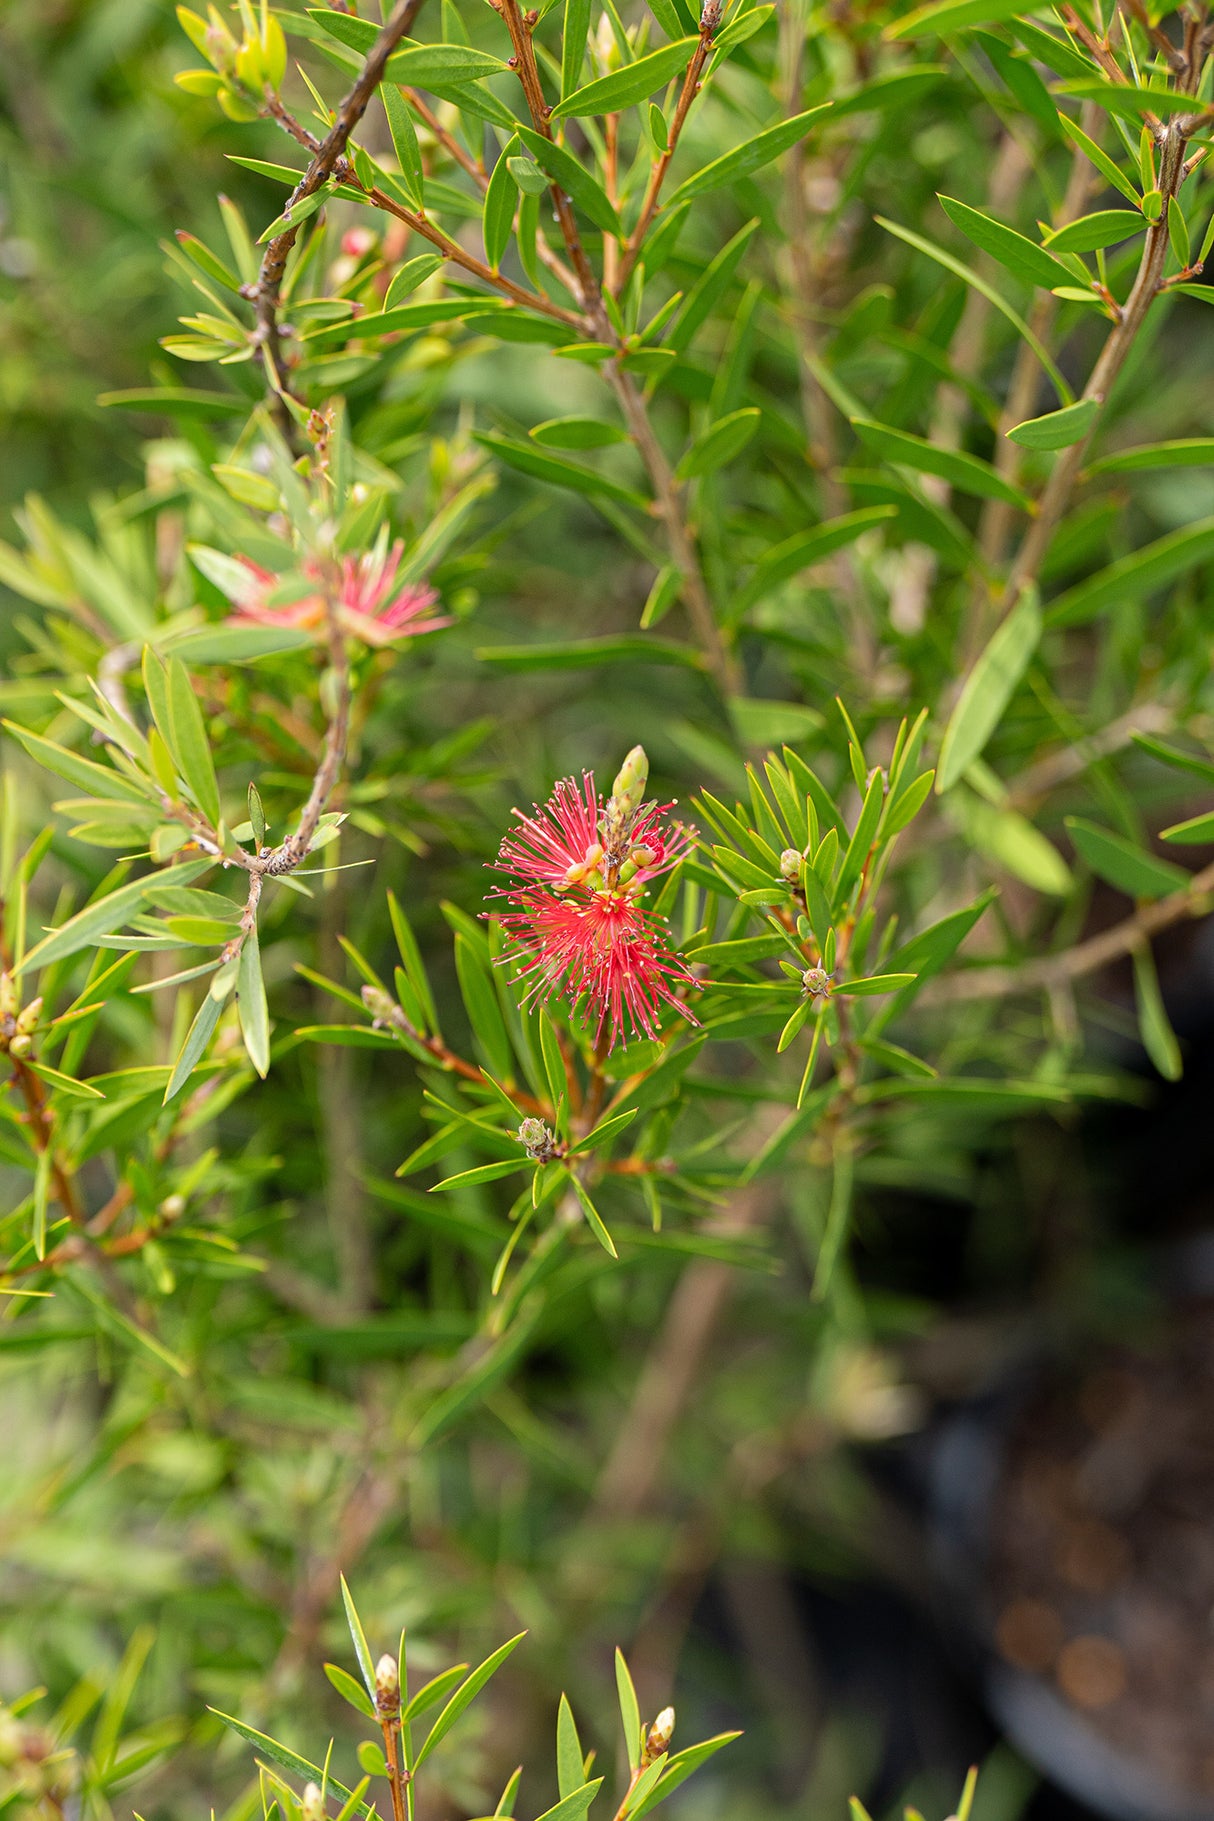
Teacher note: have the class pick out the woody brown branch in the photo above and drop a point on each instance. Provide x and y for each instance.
(268, 289)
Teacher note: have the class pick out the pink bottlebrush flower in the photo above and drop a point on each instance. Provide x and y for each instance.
(369, 605)
(578, 869)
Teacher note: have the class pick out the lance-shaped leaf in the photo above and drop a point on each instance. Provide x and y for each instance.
(570, 1775)
(750, 156)
(719, 443)
(1013, 250)
(98, 780)
(464, 1694)
(95, 920)
(558, 471)
(288, 1759)
(197, 1038)
(625, 87)
(190, 743)
(1103, 229)
(944, 16)
(965, 472)
(251, 1005)
(572, 177)
(988, 690)
(1131, 577)
(1154, 1025)
(1057, 429)
(1123, 864)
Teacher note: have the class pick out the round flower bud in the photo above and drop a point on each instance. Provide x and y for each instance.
(21, 1045)
(312, 1806)
(815, 981)
(790, 864)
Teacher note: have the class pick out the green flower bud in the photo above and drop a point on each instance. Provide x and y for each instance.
(628, 791)
(815, 982)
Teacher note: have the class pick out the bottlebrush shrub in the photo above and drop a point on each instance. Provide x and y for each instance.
(565, 327)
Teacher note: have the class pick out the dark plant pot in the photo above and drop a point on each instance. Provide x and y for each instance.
(981, 1482)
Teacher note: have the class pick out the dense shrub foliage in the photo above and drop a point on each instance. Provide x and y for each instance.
(586, 729)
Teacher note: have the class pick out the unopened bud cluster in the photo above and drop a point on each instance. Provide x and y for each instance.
(312, 1807)
(790, 865)
(539, 1143)
(36, 1778)
(17, 1022)
(657, 1739)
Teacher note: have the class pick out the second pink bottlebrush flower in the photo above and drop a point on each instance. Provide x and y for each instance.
(370, 605)
(578, 868)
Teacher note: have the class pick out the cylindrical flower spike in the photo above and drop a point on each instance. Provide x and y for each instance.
(578, 869)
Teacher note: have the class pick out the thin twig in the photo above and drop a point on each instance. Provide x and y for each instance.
(1054, 500)
(710, 19)
(267, 292)
(1050, 971)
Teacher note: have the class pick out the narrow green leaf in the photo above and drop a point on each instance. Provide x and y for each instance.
(606, 1131)
(1013, 250)
(288, 1759)
(874, 985)
(350, 1690)
(64, 1084)
(251, 1005)
(98, 780)
(979, 284)
(190, 743)
(483, 1172)
(965, 472)
(1123, 864)
(1111, 172)
(573, 1806)
(577, 433)
(625, 87)
(484, 1012)
(575, 33)
(1154, 1025)
(945, 16)
(1130, 100)
(1183, 452)
(96, 919)
(805, 548)
(679, 1766)
(630, 1713)
(988, 690)
(719, 443)
(558, 471)
(594, 1219)
(501, 200)
(437, 1689)
(197, 1038)
(413, 273)
(573, 177)
(465, 1693)
(748, 157)
(1193, 833)
(1091, 232)
(1133, 576)
(362, 1649)
(1175, 756)
(408, 154)
(570, 1775)
(1057, 429)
